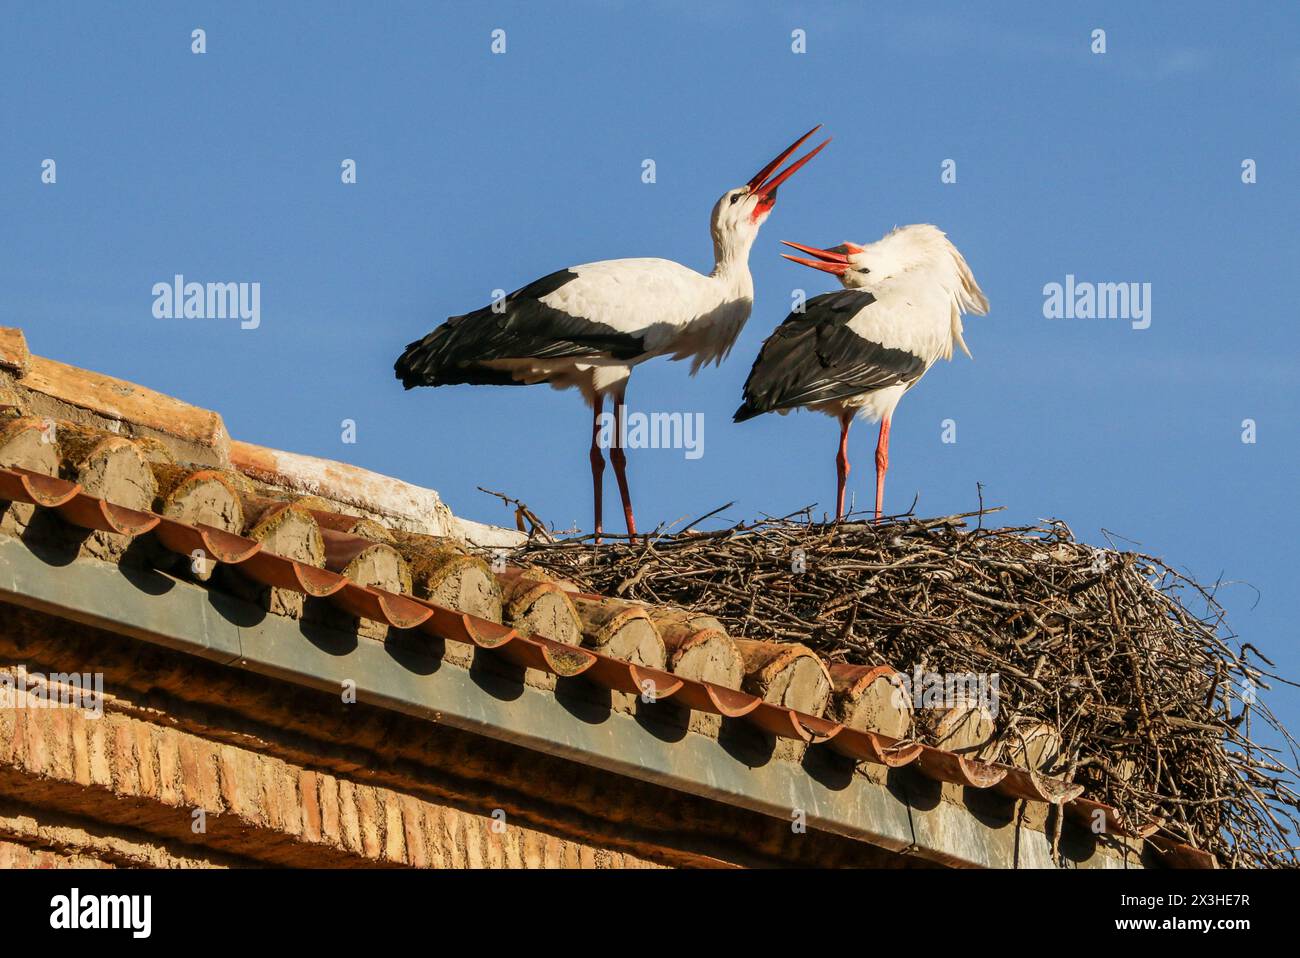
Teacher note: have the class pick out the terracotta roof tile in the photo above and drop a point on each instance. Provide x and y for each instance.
(396, 503)
(14, 355)
(121, 401)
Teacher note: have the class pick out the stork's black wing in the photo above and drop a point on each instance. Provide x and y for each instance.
(814, 357)
(522, 327)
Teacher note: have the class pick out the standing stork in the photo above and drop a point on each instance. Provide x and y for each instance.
(587, 326)
(856, 352)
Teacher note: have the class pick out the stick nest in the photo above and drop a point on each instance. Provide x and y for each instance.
(1155, 704)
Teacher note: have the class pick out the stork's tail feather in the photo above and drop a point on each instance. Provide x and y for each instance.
(449, 356)
(746, 411)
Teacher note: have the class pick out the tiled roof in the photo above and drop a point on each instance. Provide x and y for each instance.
(120, 462)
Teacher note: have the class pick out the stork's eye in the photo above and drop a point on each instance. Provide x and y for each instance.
(734, 197)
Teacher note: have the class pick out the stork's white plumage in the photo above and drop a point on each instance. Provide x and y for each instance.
(856, 352)
(588, 326)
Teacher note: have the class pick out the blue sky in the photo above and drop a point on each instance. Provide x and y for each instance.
(477, 171)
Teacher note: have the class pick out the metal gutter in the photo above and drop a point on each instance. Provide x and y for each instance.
(906, 814)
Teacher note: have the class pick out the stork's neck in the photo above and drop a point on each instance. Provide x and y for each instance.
(731, 262)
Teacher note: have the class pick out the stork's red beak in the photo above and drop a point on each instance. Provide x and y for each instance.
(765, 189)
(834, 260)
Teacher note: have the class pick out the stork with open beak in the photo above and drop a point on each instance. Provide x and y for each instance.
(588, 326)
(856, 352)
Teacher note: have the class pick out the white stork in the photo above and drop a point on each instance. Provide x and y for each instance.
(588, 325)
(856, 352)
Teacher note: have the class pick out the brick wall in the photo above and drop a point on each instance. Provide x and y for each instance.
(143, 776)
(289, 775)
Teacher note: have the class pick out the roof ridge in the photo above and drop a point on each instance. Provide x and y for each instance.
(47, 387)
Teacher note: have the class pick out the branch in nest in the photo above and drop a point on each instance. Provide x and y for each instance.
(525, 519)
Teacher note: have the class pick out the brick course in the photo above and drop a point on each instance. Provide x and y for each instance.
(245, 796)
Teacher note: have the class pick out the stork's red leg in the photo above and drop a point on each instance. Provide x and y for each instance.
(882, 464)
(842, 465)
(597, 460)
(619, 460)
